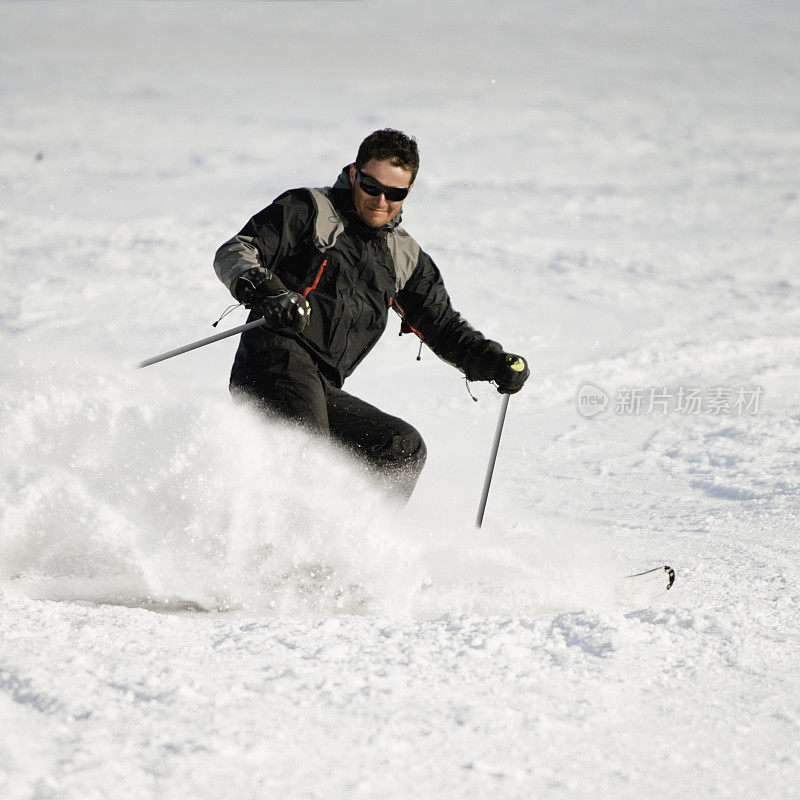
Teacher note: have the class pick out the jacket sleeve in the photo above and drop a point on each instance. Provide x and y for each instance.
(426, 307)
(269, 237)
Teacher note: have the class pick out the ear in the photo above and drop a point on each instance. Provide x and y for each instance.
(352, 172)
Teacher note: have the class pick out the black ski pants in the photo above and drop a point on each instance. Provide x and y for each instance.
(285, 382)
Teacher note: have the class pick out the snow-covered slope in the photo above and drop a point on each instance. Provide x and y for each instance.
(194, 604)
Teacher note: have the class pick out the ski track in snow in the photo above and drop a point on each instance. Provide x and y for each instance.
(194, 603)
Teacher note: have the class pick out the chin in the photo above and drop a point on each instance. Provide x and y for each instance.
(376, 220)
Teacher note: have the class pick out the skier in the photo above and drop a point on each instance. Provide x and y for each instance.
(323, 267)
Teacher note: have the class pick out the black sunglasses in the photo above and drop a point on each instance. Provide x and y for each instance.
(394, 194)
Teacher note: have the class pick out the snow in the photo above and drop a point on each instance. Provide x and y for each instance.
(193, 603)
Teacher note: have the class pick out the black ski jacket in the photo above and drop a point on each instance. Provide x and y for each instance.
(313, 242)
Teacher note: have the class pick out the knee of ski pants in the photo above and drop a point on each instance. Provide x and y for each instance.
(415, 453)
(407, 449)
(399, 463)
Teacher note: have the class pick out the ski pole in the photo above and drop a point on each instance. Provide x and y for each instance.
(492, 458)
(201, 343)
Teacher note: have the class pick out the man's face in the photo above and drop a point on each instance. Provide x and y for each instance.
(377, 211)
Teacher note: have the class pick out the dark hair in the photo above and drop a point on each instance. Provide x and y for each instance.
(393, 146)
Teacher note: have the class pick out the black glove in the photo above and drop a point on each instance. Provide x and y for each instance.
(284, 310)
(488, 362)
(511, 373)
(267, 295)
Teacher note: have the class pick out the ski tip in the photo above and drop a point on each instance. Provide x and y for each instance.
(670, 576)
(670, 573)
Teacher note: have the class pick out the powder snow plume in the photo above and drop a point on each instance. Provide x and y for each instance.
(192, 504)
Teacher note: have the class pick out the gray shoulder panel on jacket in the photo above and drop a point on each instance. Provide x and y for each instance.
(328, 225)
(405, 254)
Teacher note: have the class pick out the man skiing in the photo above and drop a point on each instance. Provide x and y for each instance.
(323, 267)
